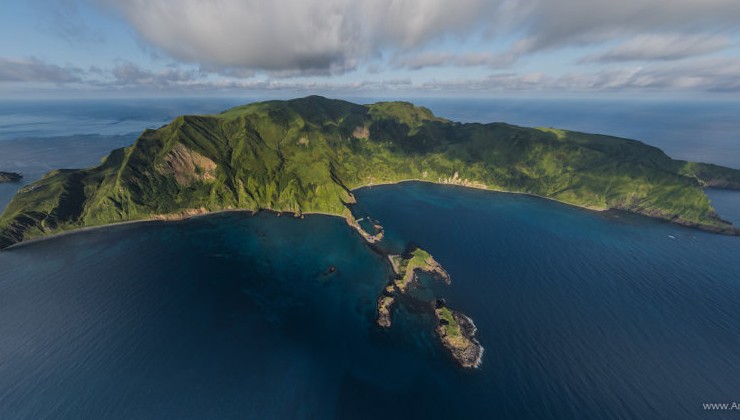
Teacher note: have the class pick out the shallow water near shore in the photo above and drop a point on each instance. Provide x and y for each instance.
(582, 314)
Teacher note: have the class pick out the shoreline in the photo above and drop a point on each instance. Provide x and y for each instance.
(732, 230)
(166, 218)
(174, 217)
(486, 188)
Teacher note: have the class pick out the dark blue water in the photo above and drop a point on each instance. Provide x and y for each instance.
(583, 314)
(221, 317)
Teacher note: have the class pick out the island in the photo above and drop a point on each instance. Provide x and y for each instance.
(308, 155)
(10, 177)
(455, 330)
(405, 268)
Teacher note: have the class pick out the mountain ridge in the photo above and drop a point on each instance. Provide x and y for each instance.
(307, 155)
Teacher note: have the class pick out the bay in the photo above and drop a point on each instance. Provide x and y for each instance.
(582, 314)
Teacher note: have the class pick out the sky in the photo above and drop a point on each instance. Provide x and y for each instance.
(553, 48)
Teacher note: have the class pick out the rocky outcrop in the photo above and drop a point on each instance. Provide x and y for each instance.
(10, 177)
(455, 330)
(404, 269)
(350, 219)
(361, 133)
(386, 302)
(457, 333)
(187, 166)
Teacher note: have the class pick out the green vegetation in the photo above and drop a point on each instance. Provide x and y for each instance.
(457, 333)
(307, 155)
(404, 267)
(450, 325)
(418, 259)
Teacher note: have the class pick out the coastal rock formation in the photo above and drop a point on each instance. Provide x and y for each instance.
(406, 266)
(457, 333)
(404, 269)
(385, 305)
(350, 219)
(455, 330)
(10, 177)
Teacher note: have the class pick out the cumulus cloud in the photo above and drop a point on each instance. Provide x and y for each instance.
(662, 47)
(309, 37)
(291, 35)
(35, 70)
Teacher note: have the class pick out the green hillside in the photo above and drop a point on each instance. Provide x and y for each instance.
(307, 155)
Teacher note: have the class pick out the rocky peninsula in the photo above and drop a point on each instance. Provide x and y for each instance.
(404, 269)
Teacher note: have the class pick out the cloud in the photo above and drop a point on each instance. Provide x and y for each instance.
(303, 86)
(662, 47)
(552, 24)
(129, 74)
(709, 75)
(296, 35)
(494, 82)
(447, 59)
(327, 37)
(35, 70)
(235, 72)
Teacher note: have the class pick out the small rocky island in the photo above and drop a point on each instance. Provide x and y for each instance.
(10, 177)
(455, 330)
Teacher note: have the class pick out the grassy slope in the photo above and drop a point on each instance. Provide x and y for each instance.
(306, 155)
(406, 266)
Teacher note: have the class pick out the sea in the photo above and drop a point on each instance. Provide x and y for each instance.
(583, 315)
